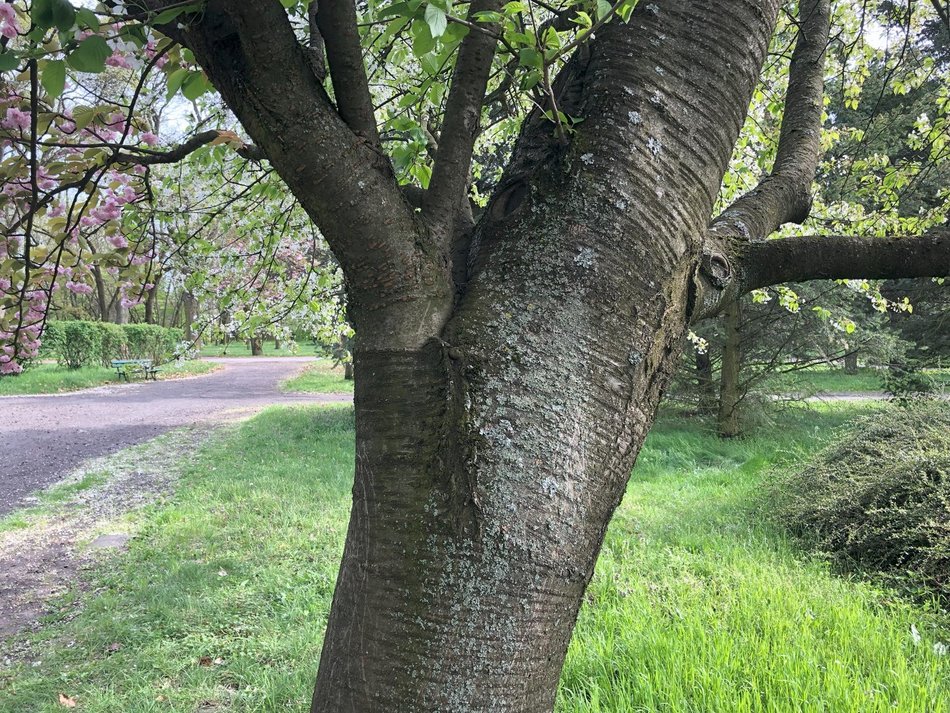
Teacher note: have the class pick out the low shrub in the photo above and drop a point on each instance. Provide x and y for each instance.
(150, 341)
(878, 500)
(52, 334)
(77, 343)
(114, 343)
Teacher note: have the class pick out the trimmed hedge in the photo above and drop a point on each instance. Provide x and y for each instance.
(149, 341)
(878, 501)
(78, 343)
(114, 342)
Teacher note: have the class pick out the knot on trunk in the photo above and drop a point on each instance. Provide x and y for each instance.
(716, 268)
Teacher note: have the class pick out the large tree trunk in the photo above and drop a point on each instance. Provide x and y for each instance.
(486, 473)
(257, 346)
(728, 421)
(489, 462)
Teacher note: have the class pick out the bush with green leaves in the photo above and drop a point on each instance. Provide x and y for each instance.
(114, 343)
(150, 341)
(77, 343)
(878, 501)
(52, 334)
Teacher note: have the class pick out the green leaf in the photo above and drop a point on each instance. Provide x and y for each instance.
(437, 20)
(53, 13)
(90, 55)
(422, 40)
(167, 16)
(399, 9)
(53, 77)
(194, 86)
(530, 57)
(87, 18)
(174, 82)
(8, 61)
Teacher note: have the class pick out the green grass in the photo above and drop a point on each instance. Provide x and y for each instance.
(320, 378)
(698, 604)
(241, 349)
(821, 379)
(50, 378)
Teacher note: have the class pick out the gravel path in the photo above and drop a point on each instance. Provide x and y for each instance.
(42, 438)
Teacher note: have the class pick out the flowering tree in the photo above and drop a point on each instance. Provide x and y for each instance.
(523, 198)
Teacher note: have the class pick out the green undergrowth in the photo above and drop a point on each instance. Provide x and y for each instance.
(52, 379)
(321, 377)
(241, 349)
(820, 379)
(697, 605)
(877, 501)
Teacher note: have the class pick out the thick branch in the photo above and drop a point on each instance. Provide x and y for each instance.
(400, 290)
(942, 11)
(336, 21)
(800, 259)
(181, 151)
(317, 46)
(450, 174)
(785, 195)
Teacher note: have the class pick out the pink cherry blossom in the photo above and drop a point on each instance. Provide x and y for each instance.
(148, 138)
(79, 288)
(16, 119)
(117, 59)
(9, 26)
(9, 367)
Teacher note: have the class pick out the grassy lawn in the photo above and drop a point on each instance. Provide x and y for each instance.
(824, 379)
(320, 377)
(240, 349)
(51, 378)
(698, 604)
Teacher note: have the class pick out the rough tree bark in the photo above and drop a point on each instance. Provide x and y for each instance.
(488, 462)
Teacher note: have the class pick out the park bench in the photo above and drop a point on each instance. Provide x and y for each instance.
(124, 368)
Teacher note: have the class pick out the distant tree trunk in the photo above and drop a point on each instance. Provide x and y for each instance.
(101, 301)
(704, 380)
(120, 313)
(348, 371)
(728, 421)
(257, 346)
(276, 344)
(851, 363)
(151, 296)
(190, 306)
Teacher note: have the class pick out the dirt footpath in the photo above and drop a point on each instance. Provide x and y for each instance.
(44, 437)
